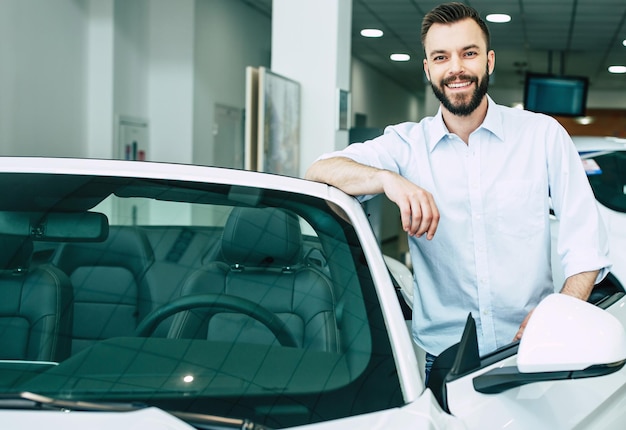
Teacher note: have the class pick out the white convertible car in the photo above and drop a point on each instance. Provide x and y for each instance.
(138, 295)
(604, 159)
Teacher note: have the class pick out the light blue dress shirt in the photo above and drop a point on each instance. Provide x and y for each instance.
(491, 253)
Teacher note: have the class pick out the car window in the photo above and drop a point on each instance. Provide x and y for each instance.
(207, 298)
(607, 175)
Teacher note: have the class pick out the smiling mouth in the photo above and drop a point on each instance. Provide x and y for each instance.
(455, 85)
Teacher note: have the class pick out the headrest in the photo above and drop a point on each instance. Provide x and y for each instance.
(15, 252)
(262, 237)
(124, 247)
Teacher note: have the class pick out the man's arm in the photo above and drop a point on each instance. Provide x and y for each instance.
(346, 174)
(418, 210)
(580, 285)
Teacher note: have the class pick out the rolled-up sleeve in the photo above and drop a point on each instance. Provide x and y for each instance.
(583, 244)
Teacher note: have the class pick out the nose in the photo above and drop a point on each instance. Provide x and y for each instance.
(456, 65)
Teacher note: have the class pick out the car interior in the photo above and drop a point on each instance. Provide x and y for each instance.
(33, 320)
(116, 287)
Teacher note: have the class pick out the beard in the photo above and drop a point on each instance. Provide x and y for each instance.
(458, 106)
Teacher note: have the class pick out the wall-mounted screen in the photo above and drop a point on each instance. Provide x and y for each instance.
(556, 95)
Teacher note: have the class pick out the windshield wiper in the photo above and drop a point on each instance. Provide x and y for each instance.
(28, 400)
(210, 421)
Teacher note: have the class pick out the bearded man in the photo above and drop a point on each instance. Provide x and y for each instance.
(475, 184)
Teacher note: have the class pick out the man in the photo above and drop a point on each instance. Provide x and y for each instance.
(474, 185)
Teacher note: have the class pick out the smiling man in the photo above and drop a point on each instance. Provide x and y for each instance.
(483, 178)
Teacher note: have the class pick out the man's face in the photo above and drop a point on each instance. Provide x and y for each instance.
(458, 65)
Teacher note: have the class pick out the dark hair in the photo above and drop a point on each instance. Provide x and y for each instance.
(448, 13)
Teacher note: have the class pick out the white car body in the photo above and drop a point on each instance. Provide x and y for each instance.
(545, 399)
(590, 148)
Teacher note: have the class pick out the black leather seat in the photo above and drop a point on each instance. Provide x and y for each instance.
(35, 310)
(262, 262)
(111, 293)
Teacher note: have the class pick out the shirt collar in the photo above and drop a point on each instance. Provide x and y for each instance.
(491, 123)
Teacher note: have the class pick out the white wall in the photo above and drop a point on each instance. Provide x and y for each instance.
(99, 78)
(171, 62)
(171, 80)
(131, 51)
(383, 101)
(229, 37)
(320, 62)
(43, 77)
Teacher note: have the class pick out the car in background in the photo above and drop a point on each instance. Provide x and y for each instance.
(604, 160)
(154, 295)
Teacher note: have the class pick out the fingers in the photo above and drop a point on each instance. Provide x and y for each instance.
(522, 327)
(418, 210)
(420, 215)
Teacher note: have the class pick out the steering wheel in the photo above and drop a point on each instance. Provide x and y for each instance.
(217, 303)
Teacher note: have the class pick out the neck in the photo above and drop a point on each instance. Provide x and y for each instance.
(463, 126)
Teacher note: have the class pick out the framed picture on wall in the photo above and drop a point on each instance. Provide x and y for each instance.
(132, 138)
(278, 133)
(343, 110)
(251, 121)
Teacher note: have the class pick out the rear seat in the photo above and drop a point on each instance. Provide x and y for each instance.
(116, 283)
(111, 293)
(35, 311)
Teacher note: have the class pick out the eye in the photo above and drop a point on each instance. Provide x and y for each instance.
(471, 53)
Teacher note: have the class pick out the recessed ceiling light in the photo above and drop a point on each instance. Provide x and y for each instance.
(617, 69)
(371, 32)
(498, 17)
(400, 57)
(624, 42)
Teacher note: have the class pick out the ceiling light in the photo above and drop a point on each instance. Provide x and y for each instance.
(400, 57)
(498, 17)
(617, 69)
(371, 32)
(624, 42)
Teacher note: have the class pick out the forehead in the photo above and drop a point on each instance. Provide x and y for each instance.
(457, 35)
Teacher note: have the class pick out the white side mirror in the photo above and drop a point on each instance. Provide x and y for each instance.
(568, 334)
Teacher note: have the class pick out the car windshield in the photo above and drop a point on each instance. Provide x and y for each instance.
(196, 297)
(607, 174)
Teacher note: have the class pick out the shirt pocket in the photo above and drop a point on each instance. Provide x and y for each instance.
(520, 208)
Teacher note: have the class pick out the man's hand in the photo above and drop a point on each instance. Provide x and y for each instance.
(418, 210)
(522, 327)
(579, 286)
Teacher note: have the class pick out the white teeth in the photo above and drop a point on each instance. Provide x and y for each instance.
(465, 84)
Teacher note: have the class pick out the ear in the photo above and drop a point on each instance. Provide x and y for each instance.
(426, 71)
(491, 61)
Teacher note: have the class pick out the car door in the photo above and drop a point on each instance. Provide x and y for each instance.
(490, 392)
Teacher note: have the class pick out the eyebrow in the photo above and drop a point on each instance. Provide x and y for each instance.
(443, 51)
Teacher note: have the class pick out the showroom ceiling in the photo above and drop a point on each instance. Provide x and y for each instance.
(571, 37)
